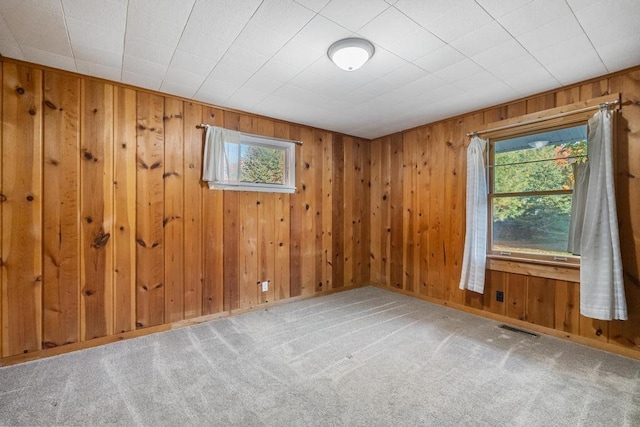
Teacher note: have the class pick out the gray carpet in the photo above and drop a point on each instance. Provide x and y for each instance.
(365, 357)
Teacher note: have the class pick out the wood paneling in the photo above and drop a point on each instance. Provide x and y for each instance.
(61, 296)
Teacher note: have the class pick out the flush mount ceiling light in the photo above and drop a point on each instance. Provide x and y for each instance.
(538, 144)
(350, 54)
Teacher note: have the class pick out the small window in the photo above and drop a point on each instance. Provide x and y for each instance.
(257, 163)
(531, 180)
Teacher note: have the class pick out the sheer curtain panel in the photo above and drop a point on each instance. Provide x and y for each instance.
(475, 240)
(213, 165)
(601, 283)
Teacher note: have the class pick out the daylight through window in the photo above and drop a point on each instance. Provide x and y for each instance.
(531, 181)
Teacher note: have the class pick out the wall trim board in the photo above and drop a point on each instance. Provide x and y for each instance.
(604, 346)
(68, 348)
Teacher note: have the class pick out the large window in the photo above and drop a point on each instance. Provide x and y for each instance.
(531, 181)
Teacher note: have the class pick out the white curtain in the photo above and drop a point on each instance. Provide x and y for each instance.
(475, 240)
(215, 156)
(601, 283)
(578, 204)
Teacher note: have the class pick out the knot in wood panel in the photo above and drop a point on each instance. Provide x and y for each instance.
(50, 105)
(100, 240)
(3, 198)
(20, 90)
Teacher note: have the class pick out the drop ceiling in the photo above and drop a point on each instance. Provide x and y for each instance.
(434, 58)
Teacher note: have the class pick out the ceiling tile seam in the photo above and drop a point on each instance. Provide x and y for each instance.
(184, 27)
(14, 37)
(587, 36)
(124, 41)
(519, 43)
(227, 51)
(66, 29)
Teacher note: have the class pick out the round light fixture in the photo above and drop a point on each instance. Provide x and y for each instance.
(350, 54)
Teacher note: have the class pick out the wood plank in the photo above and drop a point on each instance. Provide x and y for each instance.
(213, 226)
(594, 329)
(248, 249)
(282, 221)
(375, 213)
(567, 311)
(193, 188)
(437, 255)
(338, 212)
(410, 259)
(21, 209)
(3, 270)
(173, 209)
(307, 238)
(150, 290)
(365, 191)
(317, 169)
(61, 191)
(96, 168)
(326, 213)
(385, 211)
(424, 191)
(541, 301)
(265, 212)
(516, 296)
(349, 218)
(124, 238)
(550, 271)
(396, 208)
(296, 213)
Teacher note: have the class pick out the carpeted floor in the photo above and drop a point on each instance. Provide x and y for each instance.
(365, 357)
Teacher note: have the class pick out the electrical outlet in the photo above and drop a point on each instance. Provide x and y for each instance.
(265, 286)
(499, 296)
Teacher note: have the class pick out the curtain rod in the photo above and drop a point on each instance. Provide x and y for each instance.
(542, 119)
(205, 126)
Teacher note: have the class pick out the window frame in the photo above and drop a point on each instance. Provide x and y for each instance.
(289, 172)
(546, 120)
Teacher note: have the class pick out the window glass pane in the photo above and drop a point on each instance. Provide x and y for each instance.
(231, 162)
(539, 162)
(534, 224)
(262, 164)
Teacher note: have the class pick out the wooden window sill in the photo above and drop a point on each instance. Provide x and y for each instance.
(538, 268)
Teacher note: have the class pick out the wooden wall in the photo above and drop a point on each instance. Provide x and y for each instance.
(418, 180)
(106, 227)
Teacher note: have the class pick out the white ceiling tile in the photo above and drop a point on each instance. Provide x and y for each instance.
(285, 17)
(377, 87)
(577, 67)
(355, 96)
(297, 55)
(8, 45)
(459, 21)
(405, 75)
(166, 10)
(557, 52)
(319, 34)
(353, 14)
(106, 14)
(388, 28)
(533, 81)
(148, 50)
(481, 39)
(216, 91)
(9, 8)
(259, 39)
(606, 22)
(549, 34)
(141, 66)
(459, 71)
(279, 71)
(97, 56)
(424, 12)
(477, 80)
(521, 64)
(621, 54)
(141, 81)
(184, 78)
(245, 98)
(193, 63)
(577, 5)
(440, 58)
(533, 15)
(262, 83)
(48, 58)
(143, 25)
(501, 53)
(218, 19)
(383, 62)
(315, 5)
(98, 70)
(498, 8)
(416, 45)
(242, 59)
(176, 89)
(231, 76)
(88, 34)
(352, 80)
(51, 33)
